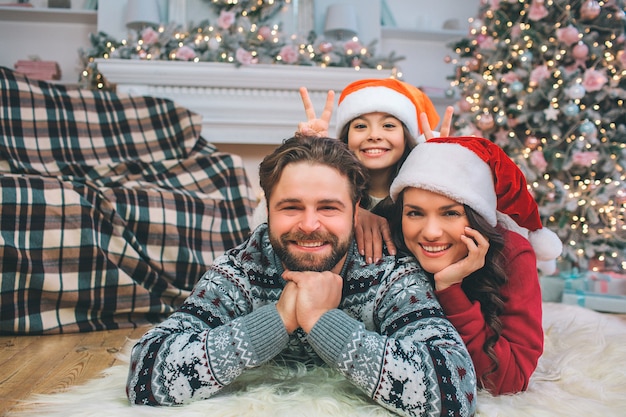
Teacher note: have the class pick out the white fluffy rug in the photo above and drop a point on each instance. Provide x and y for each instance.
(582, 373)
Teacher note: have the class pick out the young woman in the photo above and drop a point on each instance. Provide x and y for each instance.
(464, 211)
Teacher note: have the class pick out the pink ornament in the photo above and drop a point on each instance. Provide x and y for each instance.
(590, 10)
(325, 47)
(531, 142)
(485, 121)
(265, 32)
(352, 45)
(580, 51)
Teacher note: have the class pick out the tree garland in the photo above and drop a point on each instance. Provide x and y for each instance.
(242, 34)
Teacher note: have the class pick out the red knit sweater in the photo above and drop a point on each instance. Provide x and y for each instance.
(521, 343)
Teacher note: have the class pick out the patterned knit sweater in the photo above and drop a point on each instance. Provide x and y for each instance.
(389, 336)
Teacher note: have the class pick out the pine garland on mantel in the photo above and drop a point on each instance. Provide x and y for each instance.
(242, 34)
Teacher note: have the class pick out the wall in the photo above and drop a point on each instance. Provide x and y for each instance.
(417, 35)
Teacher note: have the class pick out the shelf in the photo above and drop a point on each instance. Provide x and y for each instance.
(48, 15)
(421, 35)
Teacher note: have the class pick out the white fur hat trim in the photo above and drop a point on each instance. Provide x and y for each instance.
(378, 99)
(467, 180)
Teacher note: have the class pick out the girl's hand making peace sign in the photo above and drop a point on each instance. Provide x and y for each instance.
(314, 126)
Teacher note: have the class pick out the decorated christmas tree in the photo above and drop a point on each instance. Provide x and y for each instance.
(545, 80)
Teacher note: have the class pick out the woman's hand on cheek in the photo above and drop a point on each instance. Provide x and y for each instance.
(477, 246)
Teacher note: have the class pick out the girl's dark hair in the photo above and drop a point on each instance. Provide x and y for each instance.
(482, 286)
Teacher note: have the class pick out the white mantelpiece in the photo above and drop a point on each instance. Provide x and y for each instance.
(257, 104)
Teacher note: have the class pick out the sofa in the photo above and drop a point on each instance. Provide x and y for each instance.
(111, 207)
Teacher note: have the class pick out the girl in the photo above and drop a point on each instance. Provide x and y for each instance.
(463, 210)
(379, 120)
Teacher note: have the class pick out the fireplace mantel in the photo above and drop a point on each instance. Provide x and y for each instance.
(257, 104)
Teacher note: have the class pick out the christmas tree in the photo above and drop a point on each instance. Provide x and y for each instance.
(545, 80)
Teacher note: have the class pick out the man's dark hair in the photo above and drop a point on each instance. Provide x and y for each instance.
(323, 151)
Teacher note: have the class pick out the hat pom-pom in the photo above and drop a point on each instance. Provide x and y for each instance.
(546, 244)
(547, 268)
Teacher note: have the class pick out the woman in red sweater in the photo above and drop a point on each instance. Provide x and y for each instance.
(464, 211)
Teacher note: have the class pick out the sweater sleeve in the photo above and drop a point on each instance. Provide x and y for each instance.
(204, 345)
(414, 364)
(521, 343)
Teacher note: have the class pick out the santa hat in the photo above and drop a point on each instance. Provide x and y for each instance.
(387, 95)
(476, 172)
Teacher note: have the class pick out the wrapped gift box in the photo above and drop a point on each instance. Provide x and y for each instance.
(600, 291)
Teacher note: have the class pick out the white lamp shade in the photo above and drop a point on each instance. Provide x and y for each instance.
(141, 13)
(341, 21)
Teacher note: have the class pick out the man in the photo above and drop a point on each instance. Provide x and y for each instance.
(298, 288)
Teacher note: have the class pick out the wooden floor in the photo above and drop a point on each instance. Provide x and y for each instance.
(46, 364)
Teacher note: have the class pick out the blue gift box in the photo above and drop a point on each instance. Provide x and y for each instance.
(600, 291)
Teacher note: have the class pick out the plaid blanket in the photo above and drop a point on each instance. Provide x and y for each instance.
(111, 207)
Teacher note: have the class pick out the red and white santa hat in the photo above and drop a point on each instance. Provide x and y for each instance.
(386, 95)
(478, 173)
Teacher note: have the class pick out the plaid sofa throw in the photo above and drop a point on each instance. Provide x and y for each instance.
(111, 207)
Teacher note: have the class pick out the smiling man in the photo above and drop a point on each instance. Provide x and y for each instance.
(298, 289)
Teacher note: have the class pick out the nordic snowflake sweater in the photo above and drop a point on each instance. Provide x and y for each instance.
(389, 336)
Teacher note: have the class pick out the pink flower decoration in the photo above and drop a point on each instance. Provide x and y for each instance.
(539, 74)
(568, 35)
(537, 10)
(354, 45)
(289, 54)
(244, 57)
(538, 160)
(226, 19)
(510, 77)
(487, 42)
(585, 158)
(149, 36)
(594, 80)
(185, 53)
(356, 62)
(265, 32)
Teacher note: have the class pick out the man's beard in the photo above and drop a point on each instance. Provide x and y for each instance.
(310, 262)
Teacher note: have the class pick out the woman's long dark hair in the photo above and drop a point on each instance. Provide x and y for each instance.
(482, 286)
